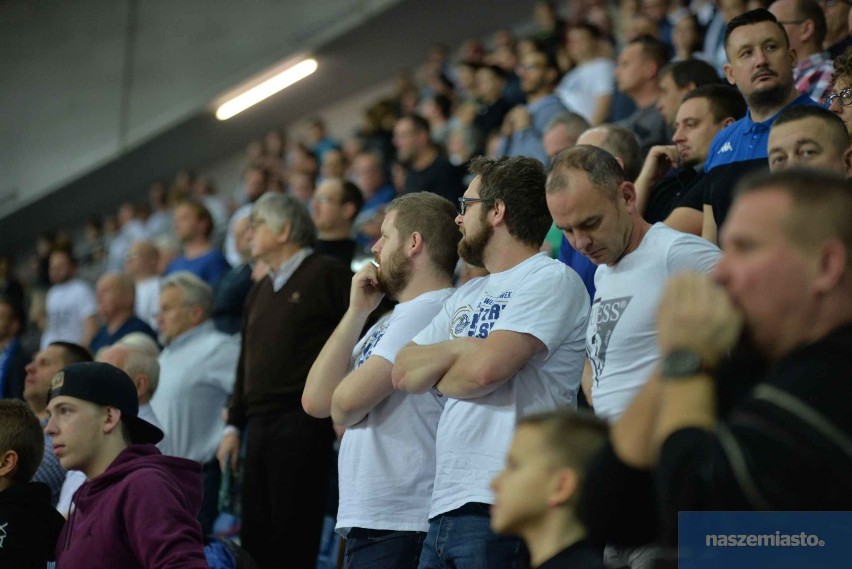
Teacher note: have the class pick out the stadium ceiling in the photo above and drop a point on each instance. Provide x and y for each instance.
(98, 98)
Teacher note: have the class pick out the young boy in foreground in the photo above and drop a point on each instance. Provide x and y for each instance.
(29, 525)
(536, 494)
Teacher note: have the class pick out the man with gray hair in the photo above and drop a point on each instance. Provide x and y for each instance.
(289, 315)
(562, 132)
(197, 367)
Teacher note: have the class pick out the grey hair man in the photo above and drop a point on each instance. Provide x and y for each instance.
(290, 313)
(197, 367)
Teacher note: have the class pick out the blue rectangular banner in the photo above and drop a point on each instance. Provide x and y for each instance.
(776, 540)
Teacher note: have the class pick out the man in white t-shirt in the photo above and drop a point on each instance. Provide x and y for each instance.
(587, 89)
(70, 304)
(387, 456)
(141, 264)
(503, 346)
(596, 209)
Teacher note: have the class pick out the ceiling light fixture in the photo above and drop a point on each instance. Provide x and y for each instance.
(264, 90)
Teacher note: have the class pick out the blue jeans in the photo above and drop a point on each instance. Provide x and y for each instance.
(378, 549)
(462, 539)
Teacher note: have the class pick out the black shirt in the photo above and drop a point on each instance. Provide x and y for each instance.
(440, 178)
(581, 555)
(678, 189)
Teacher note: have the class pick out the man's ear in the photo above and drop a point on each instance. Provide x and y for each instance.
(832, 259)
(499, 211)
(729, 73)
(415, 244)
(349, 211)
(847, 161)
(142, 385)
(112, 420)
(8, 462)
(566, 484)
(627, 192)
(284, 235)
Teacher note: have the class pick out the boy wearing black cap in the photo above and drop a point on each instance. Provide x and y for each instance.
(29, 525)
(137, 508)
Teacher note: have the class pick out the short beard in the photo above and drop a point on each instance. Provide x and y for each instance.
(472, 249)
(393, 276)
(769, 98)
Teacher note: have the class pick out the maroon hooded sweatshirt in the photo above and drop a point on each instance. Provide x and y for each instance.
(140, 513)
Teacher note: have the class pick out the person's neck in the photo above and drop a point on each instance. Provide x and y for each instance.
(812, 323)
(423, 281)
(425, 158)
(806, 51)
(553, 534)
(142, 277)
(114, 322)
(196, 248)
(113, 446)
(762, 113)
(275, 259)
(5, 482)
(646, 94)
(836, 37)
(336, 234)
(637, 233)
(38, 406)
(505, 252)
(538, 95)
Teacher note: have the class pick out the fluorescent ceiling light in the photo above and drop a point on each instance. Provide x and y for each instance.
(264, 90)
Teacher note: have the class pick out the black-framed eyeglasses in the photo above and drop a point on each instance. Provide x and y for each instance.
(463, 201)
(845, 97)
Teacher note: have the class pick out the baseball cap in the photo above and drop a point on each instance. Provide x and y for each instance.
(106, 385)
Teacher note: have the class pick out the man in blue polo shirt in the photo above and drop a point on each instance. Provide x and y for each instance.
(760, 64)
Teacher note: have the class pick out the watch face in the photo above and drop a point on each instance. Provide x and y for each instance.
(681, 363)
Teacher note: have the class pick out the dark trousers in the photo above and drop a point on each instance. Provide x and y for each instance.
(377, 549)
(284, 488)
(211, 477)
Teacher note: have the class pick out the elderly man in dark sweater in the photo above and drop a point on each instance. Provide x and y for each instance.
(288, 317)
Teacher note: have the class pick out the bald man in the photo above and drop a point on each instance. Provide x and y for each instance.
(116, 295)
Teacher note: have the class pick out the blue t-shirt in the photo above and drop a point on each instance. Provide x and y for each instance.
(104, 339)
(745, 139)
(209, 267)
(736, 151)
(580, 263)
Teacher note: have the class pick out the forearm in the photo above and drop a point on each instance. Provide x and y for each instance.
(332, 364)
(475, 374)
(685, 403)
(419, 368)
(643, 186)
(633, 434)
(360, 391)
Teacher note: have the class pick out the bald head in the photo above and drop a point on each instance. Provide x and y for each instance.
(619, 142)
(142, 367)
(141, 261)
(116, 293)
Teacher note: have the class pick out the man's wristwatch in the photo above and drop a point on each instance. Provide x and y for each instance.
(683, 363)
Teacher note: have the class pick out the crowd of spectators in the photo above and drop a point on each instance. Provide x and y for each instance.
(533, 225)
